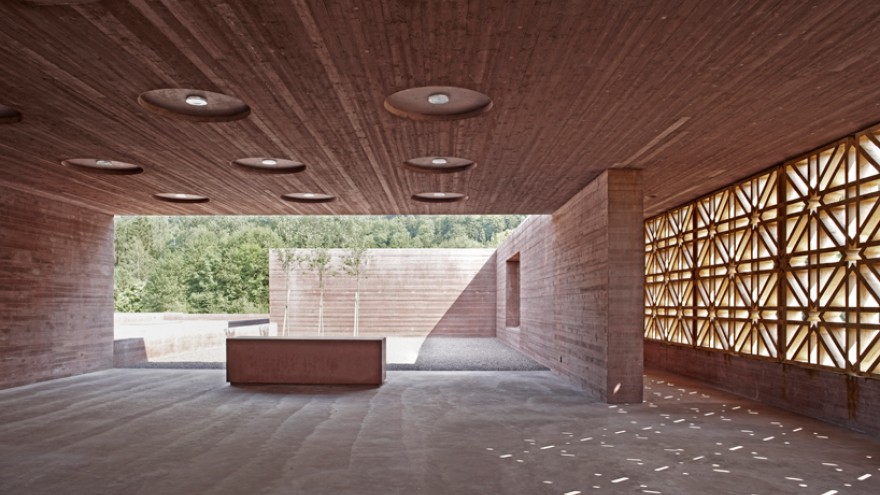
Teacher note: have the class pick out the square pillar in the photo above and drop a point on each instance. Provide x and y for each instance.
(598, 259)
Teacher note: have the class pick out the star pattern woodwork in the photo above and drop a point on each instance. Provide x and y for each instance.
(784, 265)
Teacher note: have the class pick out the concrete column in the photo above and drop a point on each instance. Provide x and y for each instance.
(598, 260)
(626, 279)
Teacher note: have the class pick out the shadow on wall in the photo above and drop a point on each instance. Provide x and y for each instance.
(472, 314)
(406, 293)
(452, 346)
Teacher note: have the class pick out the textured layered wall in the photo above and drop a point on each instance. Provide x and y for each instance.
(406, 292)
(581, 276)
(56, 289)
(532, 243)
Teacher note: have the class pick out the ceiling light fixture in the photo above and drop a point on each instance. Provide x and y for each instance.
(195, 105)
(438, 99)
(180, 198)
(438, 197)
(196, 100)
(308, 197)
(102, 166)
(437, 103)
(269, 165)
(439, 165)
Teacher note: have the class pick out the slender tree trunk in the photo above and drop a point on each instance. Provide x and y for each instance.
(357, 302)
(321, 304)
(286, 306)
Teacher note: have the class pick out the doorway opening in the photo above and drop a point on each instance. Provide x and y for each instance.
(513, 292)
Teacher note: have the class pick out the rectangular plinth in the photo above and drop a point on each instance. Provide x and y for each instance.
(305, 361)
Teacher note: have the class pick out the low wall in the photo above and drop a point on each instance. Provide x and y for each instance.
(406, 293)
(845, 400)
(305, 361)
(125, 318)
(150, 336)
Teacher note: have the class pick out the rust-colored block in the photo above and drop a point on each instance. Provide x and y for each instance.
(305, 361)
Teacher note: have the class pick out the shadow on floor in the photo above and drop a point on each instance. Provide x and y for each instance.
(468, 354)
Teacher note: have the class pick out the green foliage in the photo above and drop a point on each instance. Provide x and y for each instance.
(221, 264)
(354, 262)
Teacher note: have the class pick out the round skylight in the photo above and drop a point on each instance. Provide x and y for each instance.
(196, 101)
(269, 165)
(308, 197)
(437, 103)
(438, 99)
(181, 198)
(439, 197)
(102, 166)
(194, 105)
(439, 165)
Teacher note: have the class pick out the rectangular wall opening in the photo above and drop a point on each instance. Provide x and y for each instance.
(512, 290)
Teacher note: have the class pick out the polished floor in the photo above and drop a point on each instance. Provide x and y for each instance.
(145, 431)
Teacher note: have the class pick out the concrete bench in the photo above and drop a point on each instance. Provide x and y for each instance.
(305, 361)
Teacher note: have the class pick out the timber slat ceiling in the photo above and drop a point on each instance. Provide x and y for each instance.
(696, 93)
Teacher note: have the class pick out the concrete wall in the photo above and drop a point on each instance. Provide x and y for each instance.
(535, 335)
(581, 286)
(56, 289)
(407, 292)
(845, 400)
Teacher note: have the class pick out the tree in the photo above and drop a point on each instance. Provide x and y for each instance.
(289, 261)
(165, 290)
(319, 262)
(354, 264)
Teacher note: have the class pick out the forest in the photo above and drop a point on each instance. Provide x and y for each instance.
(221, 264)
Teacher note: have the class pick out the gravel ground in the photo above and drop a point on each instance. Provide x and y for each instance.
(468, 354)
(435, 354)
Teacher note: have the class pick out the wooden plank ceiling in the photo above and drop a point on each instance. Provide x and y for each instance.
(697, 93)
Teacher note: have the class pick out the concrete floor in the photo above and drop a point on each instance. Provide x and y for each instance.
(401, 353)
(186, 431)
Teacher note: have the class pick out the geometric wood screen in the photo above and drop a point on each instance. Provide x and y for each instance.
(782, 266)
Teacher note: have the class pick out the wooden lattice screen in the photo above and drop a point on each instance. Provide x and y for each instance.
(784, 265)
